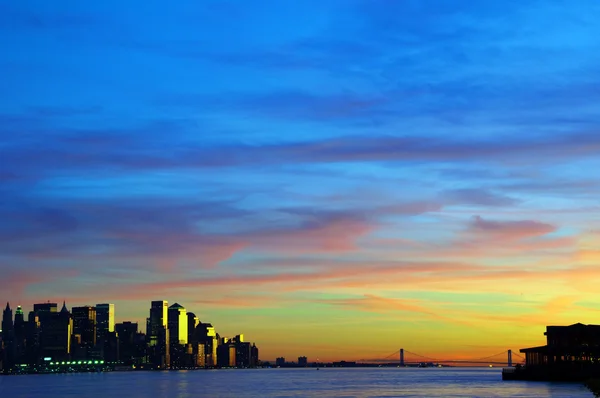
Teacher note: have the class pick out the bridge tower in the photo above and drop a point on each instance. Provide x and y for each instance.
(401, 356)
(509, 357)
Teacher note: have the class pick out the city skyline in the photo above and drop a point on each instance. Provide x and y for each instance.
(49, 340)
(417, 174)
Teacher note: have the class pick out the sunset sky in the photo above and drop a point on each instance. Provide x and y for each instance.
(332, 178)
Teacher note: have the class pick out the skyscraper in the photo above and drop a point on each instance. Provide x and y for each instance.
(8, 337)
(158, 334)
(84, 325)
(20, 334)
(105, 321)
(56, 332)
(178, 324)
(126, 333)
(207, 336)
(192, 322)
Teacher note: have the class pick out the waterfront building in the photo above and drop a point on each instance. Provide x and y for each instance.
(84, 325)
(105, 321)
(56, 332)
(178, 324)
(302, 361)
(32, 338)
(157, 334)
(126, 333)
(280, 361)
(254, 360)
(19, 333)
(206, 335)
(226, 354)
(571, 353)
(8, 338)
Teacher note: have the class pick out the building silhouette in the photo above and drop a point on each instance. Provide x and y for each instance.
(302, 361)
(571, 353)
(84, 331)
(175, 339)
(8, 338)
(178, 324)
(157, 334)
(178, 335)
(19, 333)
(207, 336)
(105, 321)
(192, 322)
(32, 338)
(56, 331)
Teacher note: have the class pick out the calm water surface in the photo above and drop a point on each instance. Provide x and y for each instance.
(326, 382)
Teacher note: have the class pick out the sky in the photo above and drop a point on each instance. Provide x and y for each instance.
(335, 178)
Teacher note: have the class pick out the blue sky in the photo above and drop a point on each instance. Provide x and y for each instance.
(298, 156)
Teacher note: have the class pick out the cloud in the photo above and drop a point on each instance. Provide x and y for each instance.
(385, 305)
(510, 230)
(477, 197)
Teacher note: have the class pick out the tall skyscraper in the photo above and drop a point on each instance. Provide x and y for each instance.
(84, 325)
(8, 337)
(105, 321)
(178, 324)
(20, 333)
(32, 337)
(7, 324)
(158, 334)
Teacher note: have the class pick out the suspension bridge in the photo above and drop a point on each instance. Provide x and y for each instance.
(403, 357)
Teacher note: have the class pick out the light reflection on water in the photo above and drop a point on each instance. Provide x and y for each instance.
(326, 382)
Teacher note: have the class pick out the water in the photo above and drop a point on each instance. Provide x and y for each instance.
(326, 382)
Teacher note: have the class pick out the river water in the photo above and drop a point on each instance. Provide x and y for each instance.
(310, 382)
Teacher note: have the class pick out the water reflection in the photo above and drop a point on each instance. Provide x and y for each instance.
(327, 382)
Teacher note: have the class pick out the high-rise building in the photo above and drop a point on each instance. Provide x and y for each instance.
(84, 325)
(105, 321)
(126, 333)
(157, 334)
(302, 361)
(178, 324)
(56, 332)
(32, 338)
(206, 335)
(20, 334)
(8, 338)
(192, 322)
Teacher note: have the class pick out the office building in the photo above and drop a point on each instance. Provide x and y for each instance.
(178, 324)
(8, 338)
(84, 325)
(206, 335)
(192, 322)
(105, 321)
(157, 334)
(56, 331)
(20, 334)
